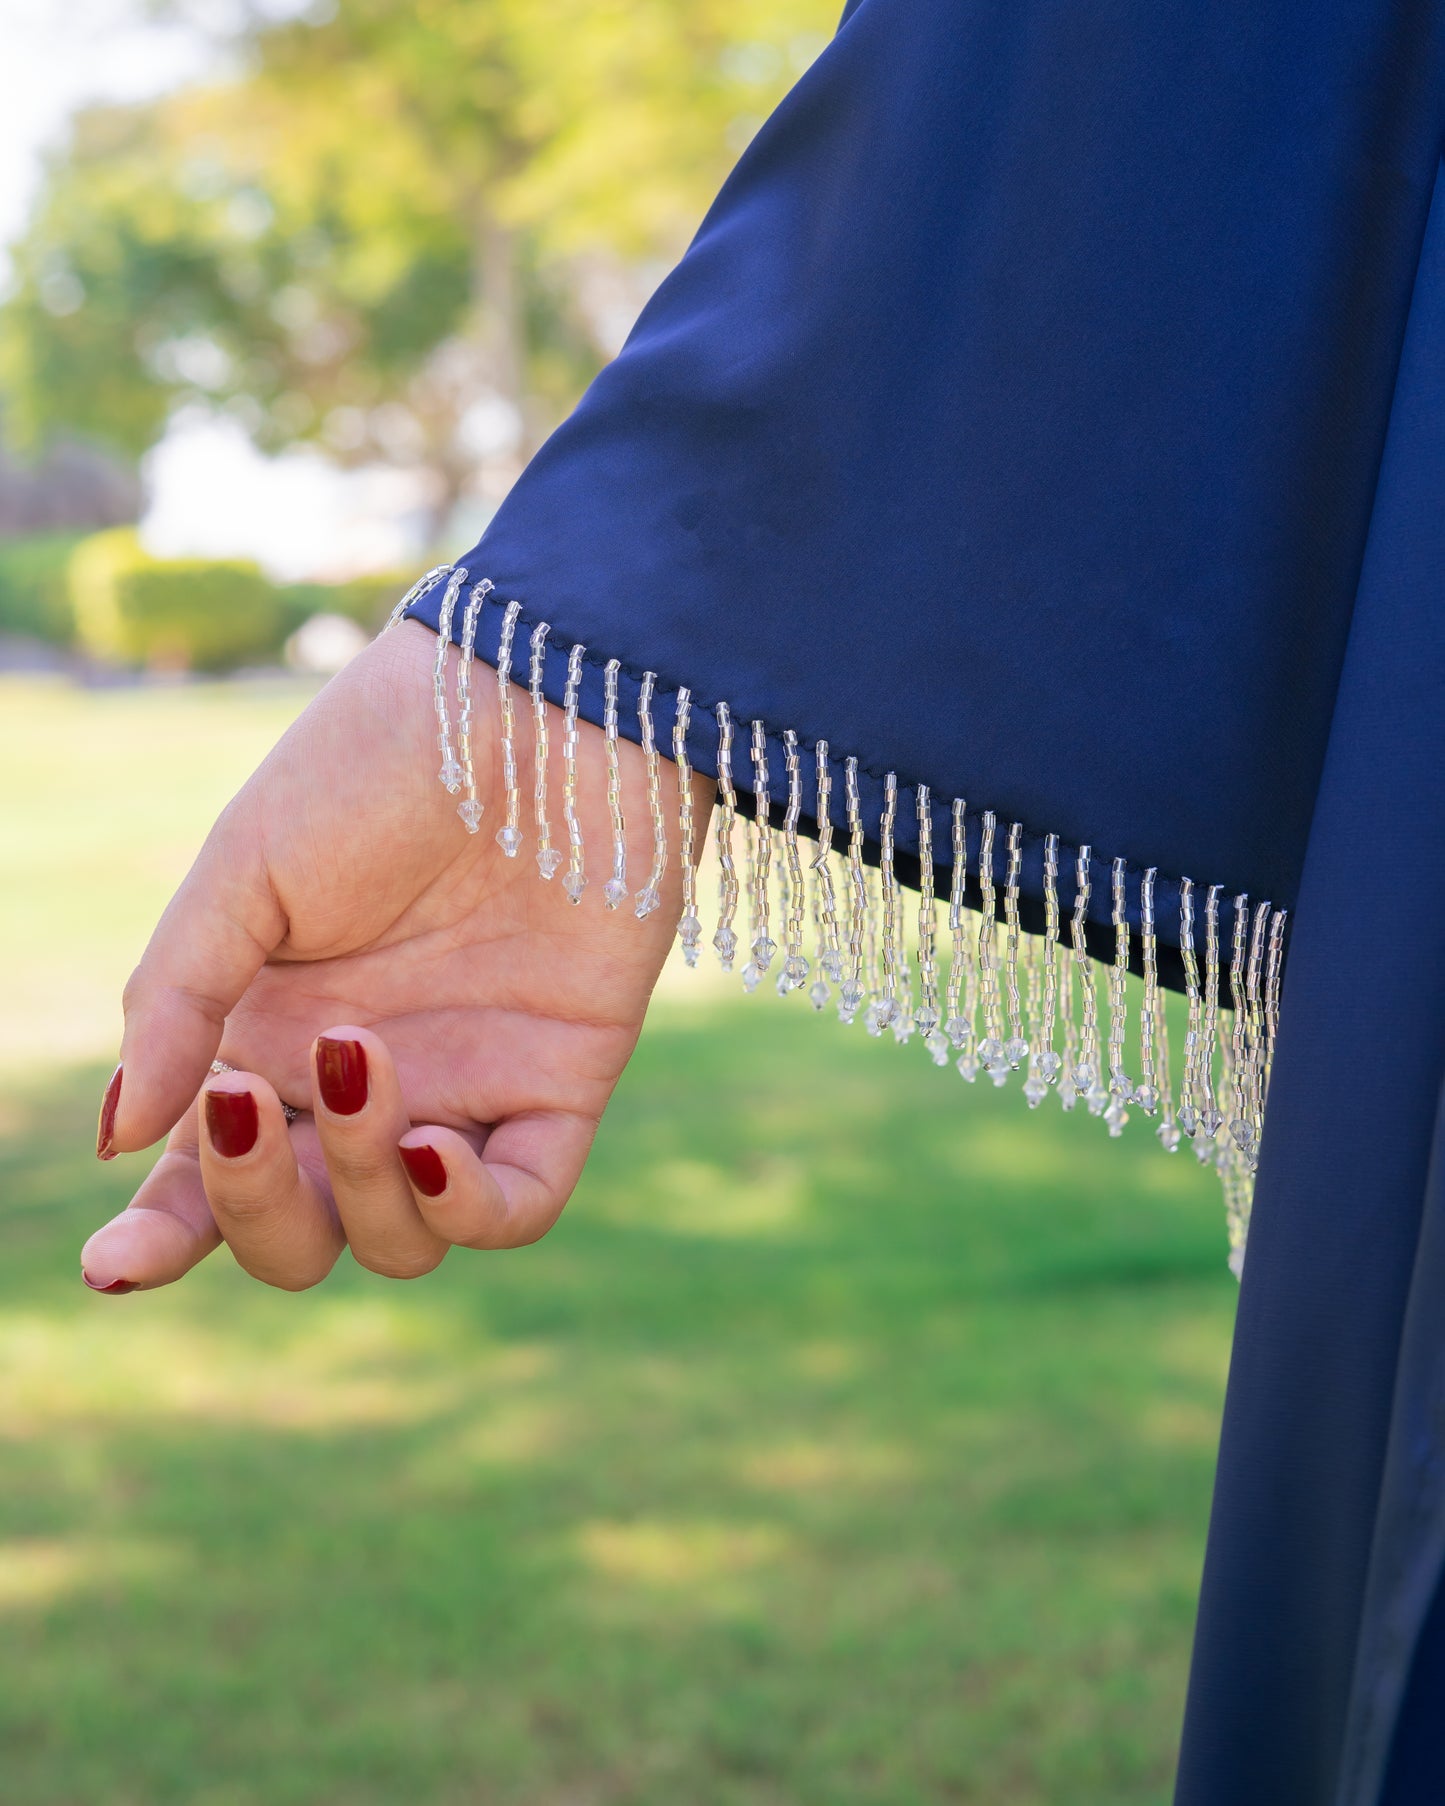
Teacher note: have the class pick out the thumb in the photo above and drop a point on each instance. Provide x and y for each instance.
(212, 940)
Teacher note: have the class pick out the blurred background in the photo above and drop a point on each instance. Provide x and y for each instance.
(850, 1441)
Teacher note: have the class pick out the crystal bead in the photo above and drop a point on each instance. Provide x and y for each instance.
(795, 970)
(850, 995)
(873, 1019)
(1096, 1099)
(1049, 1065)
(1120, 1084)
(1169, 1137)
(782, 984)
(1147, 1098)
(1236, 1262)
(471, 814)
(752, 972)
(451, 775)
(967, 1064)
(957, 1030)
(549, 859)
(902, 1027)
(1068, 1094)
(990, 1052)
(689, 932)
(689, 953)
(926, 1020)
(763, 951)
(1116, 1116)
(1188, 1118)
(831, 966)
(1203, 1151)
(999, 1073)
(1016, 1052)
(725, 943)
(937, 1045)
(574, 884)
(1211, 1121)
(1035, 1091)
(646, 901)
(509, 839)
(819, 994)
(1083, 1077)
(1243, 1134)
(614, 893)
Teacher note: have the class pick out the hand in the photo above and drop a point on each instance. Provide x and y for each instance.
(352, 950)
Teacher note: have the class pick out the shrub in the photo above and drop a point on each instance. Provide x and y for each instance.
(35, 586)
(365, 600)
(204, 614)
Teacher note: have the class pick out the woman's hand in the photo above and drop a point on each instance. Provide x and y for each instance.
(350, 949)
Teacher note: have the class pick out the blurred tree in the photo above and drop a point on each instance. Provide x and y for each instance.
(406, 229)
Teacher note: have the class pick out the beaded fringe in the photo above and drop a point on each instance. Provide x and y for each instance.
(973, 986)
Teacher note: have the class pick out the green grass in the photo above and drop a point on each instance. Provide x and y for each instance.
(848, 1444)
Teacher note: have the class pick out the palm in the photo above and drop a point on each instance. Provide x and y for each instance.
(343, 862)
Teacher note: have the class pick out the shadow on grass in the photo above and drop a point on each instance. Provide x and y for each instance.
(849, 1442)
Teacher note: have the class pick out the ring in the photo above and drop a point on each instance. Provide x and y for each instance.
(290, 1110)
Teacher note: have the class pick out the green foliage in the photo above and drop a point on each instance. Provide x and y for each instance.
(35, 586)
(366, 600)
(178, 613)
(397, 209)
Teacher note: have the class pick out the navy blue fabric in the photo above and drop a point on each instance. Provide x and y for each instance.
(1021, 421)
(1329, 1515)
(1013, 420)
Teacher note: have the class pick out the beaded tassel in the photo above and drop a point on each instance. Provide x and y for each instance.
(650, 896)
(962, 982)
(850, 993)
(1120, 1090)
(614, 892)
(1210, 1115)
(887, 1007)
(725, 940)
(422, 587)
(509, 835)
(548, 857)
(760, 864)
(795, 964)
(928, 1018)
(830, 957)
(1271, 992)
(1239, 1127)
(689, 928)
(575, 881)
(1146, 1094)
(451, 772)
(1255, 997)
(469, 809)
(1188, 1106)
(1086, 1071)
(1018, 1047)
(990, 1049)
(1045, 1064)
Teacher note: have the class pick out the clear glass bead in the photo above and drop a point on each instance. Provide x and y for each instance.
(1083, 1076)
(1236, 1262)
(850, 995)
(873, 1019)
(1016, 1052)
(937, 1045)
(967, 1064)
(1116, 1116)
(451, 775)
(1049, 1065)
(614, 893)
(1203, 1151)
(782, 984)
(1096, 1099)
(1211, 1120)
(957, 1030)
(1068, 1094)
(509, 839)
(752, 972)
(795, 970)
(831, 966)
(925, 1020)
(1243, 1134)
(471, 814)
(902, 1025)
(1035, 1091)
(549, 859)
(990, 1052)
(574, 884)
(1188, 1118)
(1169, 1137)
(819, 994)
(763, 950)
(647, 900)
(1147, 1098)
(1000, 1073)
(725, 944)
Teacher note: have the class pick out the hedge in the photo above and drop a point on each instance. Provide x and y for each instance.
(35, 586)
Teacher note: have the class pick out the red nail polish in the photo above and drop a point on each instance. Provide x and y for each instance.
(115, 1288)
(105, 1131)
(426, 1169)
(341, 1075)
(231, 1122)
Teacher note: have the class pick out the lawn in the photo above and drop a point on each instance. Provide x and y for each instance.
(848, 1444)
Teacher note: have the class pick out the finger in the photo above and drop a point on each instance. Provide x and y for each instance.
(212, 940)
(276, 1220)
(509, 1194)
(164, 1231)
(360, 1118)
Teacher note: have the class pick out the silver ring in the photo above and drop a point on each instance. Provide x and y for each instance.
(290, 1110)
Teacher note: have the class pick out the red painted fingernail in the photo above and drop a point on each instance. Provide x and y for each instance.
(105, 1130)
(341, 1075)
(115, 1288)
(426, 1169)
(231, 1122)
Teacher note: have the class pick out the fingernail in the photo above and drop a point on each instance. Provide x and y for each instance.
(231, 1122)
(425, 1168)
(341, 1075)
(105, 1129)
(115, 1288)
